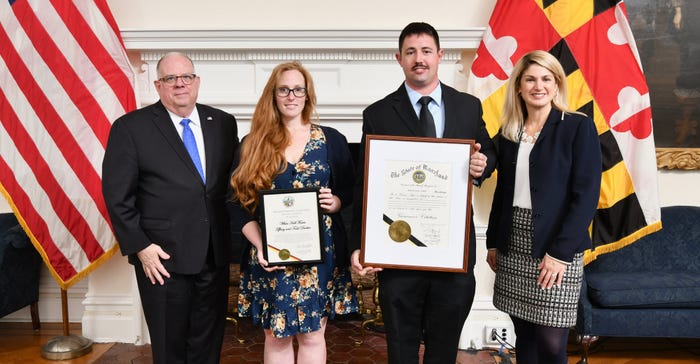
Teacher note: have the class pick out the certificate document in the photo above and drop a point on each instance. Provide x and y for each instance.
(291, 226)
(417, 205)
(416, 202)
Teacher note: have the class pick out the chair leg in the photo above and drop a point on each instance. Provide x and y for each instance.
(585, 341)
(34, 310)
(375, 323)
(231, 317)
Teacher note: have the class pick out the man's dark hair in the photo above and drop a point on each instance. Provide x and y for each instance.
(416, 29)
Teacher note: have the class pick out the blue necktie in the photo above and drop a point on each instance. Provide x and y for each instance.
(191, 146)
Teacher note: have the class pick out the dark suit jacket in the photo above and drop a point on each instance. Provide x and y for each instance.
(394, 115)
(565, 171)
(155, 195)
(341, 184)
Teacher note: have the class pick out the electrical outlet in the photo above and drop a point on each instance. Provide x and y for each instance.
(492, 335)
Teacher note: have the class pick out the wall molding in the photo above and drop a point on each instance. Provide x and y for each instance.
(282, 55)
(351, 68)
(321, 39)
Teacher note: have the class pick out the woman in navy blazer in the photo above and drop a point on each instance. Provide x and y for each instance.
(549, 165)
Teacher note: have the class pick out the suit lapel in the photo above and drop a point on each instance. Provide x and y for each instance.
(451, 122)
(404, 109)
(210, 139)
(553, 118)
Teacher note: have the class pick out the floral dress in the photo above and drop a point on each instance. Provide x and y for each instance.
(294, 300)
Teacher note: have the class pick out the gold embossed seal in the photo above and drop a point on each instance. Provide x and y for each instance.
(284, 254)
(399, 231)
(418, 177)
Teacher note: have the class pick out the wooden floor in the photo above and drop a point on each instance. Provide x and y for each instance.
(20, 344)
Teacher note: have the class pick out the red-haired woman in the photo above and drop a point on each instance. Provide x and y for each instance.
(285, 149)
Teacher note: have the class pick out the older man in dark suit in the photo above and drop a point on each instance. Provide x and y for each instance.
(424, 304)
(165, 176)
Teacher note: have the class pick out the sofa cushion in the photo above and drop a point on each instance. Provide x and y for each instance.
(644, 289)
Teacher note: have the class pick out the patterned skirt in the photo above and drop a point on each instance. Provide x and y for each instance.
(516, 291)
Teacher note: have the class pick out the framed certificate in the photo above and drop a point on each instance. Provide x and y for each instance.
(417, 204)
(291, 226)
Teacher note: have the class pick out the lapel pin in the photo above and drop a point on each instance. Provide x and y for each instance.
(209, 118)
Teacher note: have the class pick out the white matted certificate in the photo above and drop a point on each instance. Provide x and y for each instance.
(290, 220)
(417, 204)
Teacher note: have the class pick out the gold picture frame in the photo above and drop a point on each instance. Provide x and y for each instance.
(678, 158)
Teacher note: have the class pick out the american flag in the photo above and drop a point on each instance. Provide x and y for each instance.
(64, 77)
(593, 41)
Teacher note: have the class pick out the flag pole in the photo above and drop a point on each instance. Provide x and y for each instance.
(67, 346)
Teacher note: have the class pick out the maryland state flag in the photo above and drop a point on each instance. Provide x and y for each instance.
(593, 41)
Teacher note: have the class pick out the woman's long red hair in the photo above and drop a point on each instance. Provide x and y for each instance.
(262, 151)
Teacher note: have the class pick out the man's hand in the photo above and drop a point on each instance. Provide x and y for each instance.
(477, 162)
(357, 267)
(150, 260)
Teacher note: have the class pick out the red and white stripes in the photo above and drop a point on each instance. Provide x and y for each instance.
(64, 78)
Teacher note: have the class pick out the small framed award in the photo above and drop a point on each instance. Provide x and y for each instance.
(417, 205)
(290, 220)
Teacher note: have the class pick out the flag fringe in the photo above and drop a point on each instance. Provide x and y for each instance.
(61, 283)
(592, 254)
(87, 270)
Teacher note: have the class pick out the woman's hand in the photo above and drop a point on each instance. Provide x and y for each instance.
(252, 232)
(329, 202)
(551, 272)
(491, 258)
(264, 264)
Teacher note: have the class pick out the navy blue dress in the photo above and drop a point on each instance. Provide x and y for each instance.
(294, 300)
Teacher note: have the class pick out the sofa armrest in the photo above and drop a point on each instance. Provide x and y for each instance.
(13, 238)
(11, 235)
(17, 237)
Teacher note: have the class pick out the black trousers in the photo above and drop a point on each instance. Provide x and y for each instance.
(428, 305)
(186, 316)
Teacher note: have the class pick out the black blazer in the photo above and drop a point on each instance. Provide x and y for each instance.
(565, 172)
(341, 184)
(394, 115)
(155, 195)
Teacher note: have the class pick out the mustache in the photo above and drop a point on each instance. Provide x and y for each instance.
(419, 65)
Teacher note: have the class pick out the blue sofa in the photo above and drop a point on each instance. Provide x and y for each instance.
(650, 288)
(20, 265)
